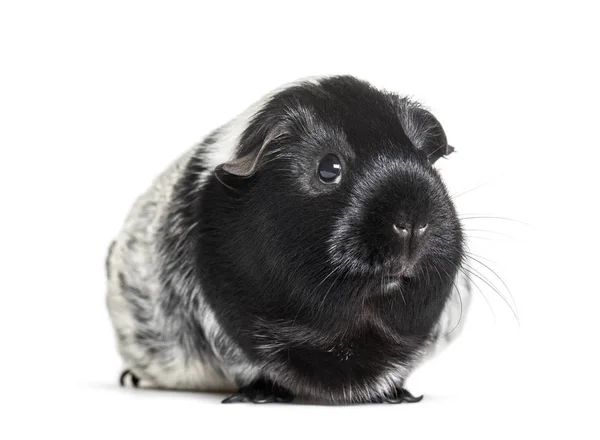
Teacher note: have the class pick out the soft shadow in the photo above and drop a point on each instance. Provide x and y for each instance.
(218, 397)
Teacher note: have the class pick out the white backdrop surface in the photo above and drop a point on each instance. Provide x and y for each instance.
(96, 98)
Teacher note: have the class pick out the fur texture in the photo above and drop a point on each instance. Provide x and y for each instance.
(239, 265)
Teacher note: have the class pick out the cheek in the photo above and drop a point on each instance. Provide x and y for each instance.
(298, 226)
(357, 241)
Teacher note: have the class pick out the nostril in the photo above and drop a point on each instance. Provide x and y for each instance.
(403, 230)
(406, 229)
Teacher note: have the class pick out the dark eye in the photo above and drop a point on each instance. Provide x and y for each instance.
(330, 169)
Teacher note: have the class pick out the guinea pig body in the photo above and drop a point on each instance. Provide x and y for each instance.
(307, 248)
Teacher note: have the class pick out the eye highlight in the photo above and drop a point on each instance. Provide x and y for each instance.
(329, 169)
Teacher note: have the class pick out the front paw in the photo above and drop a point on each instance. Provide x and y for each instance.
(261, 391)
(128, 379)
(399, 395)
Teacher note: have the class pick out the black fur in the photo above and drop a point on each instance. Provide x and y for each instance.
(305, 276)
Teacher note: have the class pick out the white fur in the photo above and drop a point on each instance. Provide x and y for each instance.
(142, 264)
(453, 317)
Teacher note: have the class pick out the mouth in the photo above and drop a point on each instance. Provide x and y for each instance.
(390, 285)
(402, 277)
(391, 280)
(394, 281)
(403, 280)
(406, 271)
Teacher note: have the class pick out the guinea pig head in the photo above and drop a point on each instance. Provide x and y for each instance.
(337, 200)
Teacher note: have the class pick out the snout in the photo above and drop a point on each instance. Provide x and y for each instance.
(397, 223)
(407, 230)
(409, 238)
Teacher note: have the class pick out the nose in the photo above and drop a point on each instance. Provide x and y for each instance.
(409, 236)
(406, 230)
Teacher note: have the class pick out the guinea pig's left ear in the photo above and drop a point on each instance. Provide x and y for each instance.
(247, 164)
(424, 131)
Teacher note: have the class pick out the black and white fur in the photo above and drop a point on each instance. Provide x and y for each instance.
(239, 270)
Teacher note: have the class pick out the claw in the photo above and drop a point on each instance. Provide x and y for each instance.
(403, 395)
(236, 398)
(264, 399)
(134, 379)
(261, 391)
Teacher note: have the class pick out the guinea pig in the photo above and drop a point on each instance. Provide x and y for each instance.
(306, 249)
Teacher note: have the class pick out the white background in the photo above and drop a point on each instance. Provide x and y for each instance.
(96, 98)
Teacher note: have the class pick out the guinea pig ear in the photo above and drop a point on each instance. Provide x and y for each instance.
(424, 131)
(246, 165)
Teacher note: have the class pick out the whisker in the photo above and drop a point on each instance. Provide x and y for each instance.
(482, 294)
(499, 278)
(439, 275)
(476, 273)
(488, 232)
(467, 191)
(461, 306)
(471, 254)
(492, 217)
(322, 303)
(479, 238)
(307, 297)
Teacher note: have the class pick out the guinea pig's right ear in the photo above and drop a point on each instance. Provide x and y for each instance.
(424, 131)
(247, 164)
